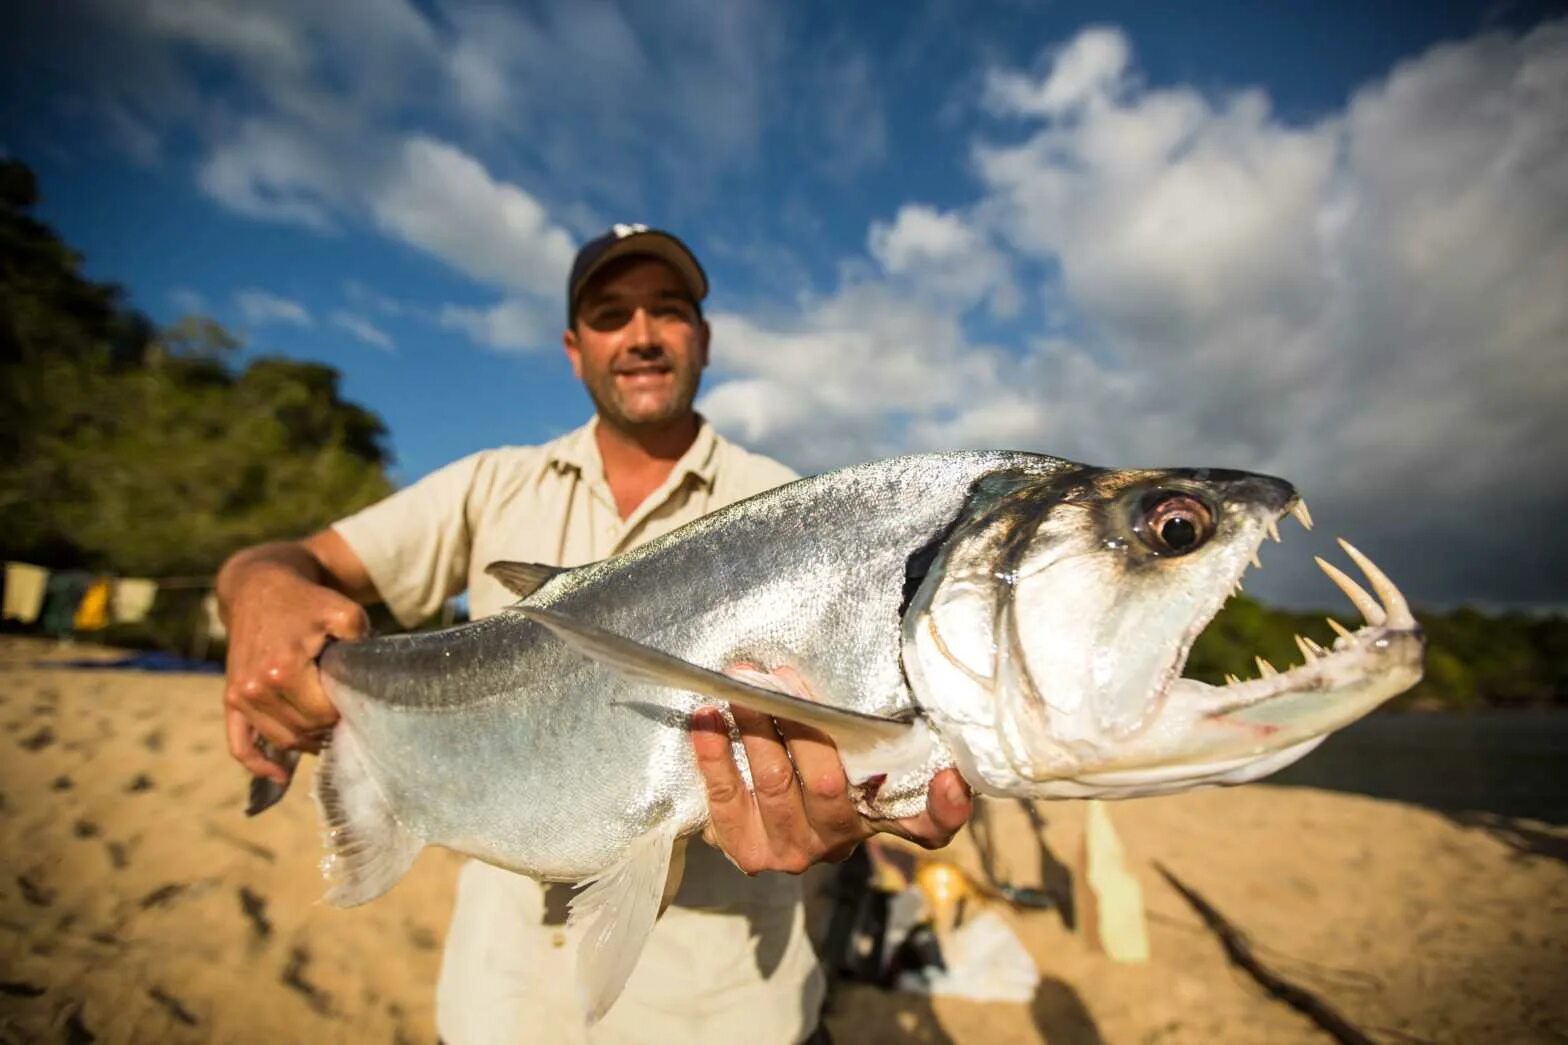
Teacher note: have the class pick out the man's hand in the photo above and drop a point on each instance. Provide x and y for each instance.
(279, 619)
(799, 812)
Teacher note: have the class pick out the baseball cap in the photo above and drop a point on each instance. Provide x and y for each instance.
(625, 240)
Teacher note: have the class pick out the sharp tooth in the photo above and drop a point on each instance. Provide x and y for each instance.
(1304, 517)
(1274, 530)
(1313, 645)
(1399, 615)
(1265, 669)
(1255, 560)
(1354, 592)
(1307, 651)
(1231, 680)
(1339, 629)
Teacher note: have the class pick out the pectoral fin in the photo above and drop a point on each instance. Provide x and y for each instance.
(646, 664)
(616, 913)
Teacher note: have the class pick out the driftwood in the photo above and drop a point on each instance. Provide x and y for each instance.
(1240, 952)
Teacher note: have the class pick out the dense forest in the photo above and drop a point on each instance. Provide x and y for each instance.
(130, 449)
(134, 450)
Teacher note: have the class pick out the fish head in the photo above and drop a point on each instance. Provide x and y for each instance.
(1048, 637)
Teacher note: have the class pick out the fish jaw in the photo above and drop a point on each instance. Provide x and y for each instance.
(1048, 653)
(1244, 731)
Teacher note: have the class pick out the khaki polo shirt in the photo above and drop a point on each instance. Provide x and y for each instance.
(729, 960)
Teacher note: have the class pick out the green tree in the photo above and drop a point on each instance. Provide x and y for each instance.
(130, 450)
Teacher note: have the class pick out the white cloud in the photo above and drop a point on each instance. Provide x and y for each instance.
(443, 201)
(513, 324)
(188, 300)
(261, 307)
(943, 255)
(1371, 305)
(366, 297)
(1089, 69)
(274, 173)
(363, 329)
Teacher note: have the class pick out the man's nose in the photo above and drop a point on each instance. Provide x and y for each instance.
(640, 329)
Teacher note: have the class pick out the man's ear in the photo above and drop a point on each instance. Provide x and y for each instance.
(704, 334)
(574, 353)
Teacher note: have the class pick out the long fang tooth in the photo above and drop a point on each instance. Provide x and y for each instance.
(1354, 592)
(1304, 517)
(1313, 646)
(1399, 615)
(1339, 629)
(1265, 669)
(1231, 680)
(1274, 530)
(1306, 650)
(1255, 560)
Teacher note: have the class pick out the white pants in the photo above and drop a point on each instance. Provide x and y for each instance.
(745, 972)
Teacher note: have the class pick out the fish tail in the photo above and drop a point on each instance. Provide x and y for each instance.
(368, 849)
(264, 791)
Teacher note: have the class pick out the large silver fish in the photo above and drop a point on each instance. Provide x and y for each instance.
(1020, 616)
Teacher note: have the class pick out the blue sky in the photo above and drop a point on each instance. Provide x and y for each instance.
(1326, 241)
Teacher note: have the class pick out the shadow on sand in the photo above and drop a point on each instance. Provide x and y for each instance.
(1061, 1015)
(1056, 880)
(1522, 836)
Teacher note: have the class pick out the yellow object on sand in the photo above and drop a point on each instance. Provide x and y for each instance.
(1108, 897)
(946, 890)
(92, 613)
(25, 585)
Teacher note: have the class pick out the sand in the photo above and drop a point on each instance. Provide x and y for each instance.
(138, 904)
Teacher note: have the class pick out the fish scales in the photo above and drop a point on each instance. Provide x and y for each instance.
(756, 583)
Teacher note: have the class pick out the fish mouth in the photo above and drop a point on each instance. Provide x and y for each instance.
(1234, 724)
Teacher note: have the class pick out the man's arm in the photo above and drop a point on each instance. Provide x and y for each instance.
(281, 603)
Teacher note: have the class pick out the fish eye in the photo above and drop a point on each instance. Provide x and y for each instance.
(1176, 523)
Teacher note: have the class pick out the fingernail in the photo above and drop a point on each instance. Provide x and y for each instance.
(955, 792)
(708, 720)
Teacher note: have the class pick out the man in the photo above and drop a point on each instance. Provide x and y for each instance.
(729, 958)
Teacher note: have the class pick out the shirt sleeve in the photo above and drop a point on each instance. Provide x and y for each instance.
(415, 544)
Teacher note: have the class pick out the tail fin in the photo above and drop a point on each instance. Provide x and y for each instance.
(369, 850)
(264, 792)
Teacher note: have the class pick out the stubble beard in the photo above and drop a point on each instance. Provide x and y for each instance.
(611, 406)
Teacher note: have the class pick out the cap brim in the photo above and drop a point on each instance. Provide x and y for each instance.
(651, 244)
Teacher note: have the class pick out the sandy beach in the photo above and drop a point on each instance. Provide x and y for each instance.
(138, 903)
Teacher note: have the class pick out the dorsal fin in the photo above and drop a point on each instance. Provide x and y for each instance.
(522, 578)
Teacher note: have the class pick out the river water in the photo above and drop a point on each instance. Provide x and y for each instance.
(1511, 763)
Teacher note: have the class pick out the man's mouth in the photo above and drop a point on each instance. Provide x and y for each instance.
(642, 371)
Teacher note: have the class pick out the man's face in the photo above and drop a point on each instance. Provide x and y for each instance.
(638, 344)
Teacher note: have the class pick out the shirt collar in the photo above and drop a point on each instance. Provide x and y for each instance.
(578, 449)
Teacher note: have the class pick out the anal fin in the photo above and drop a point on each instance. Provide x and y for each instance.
(368, 849)
(615, 914)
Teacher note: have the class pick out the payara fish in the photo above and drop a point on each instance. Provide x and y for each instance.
(1019, 616)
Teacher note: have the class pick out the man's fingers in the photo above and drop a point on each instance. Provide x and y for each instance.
(310, 698)
(949, 802)
(730, 809)
(242, 745)
(348, 621)
(824, 786)
(773, 781)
